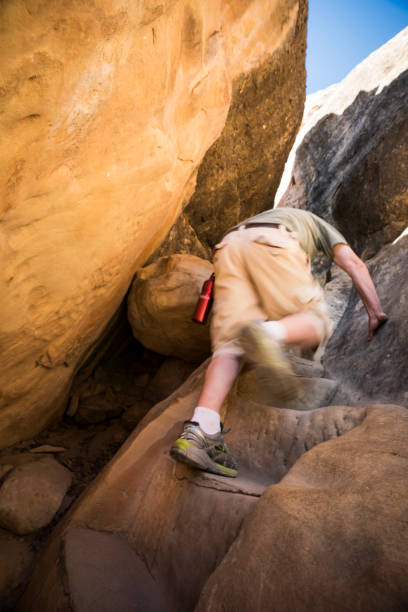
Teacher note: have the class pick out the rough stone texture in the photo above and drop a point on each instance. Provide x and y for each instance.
(337, 292)
(134, 414)
(376, 369)
(91, 559)
(182, 238)
(32, 494)
(241, 171)
(331, 535)
(107, 111)
(172, 373)
(350, 157)
(97, 408)
(181, 522)
(161, 304)
(15, 560)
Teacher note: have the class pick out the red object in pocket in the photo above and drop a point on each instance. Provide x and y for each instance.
(204, 302)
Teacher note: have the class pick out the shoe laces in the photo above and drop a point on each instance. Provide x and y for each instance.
(189, 425)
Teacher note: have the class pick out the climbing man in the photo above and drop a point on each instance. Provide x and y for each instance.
(265, 297)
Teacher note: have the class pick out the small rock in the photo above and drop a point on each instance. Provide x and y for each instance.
(47, 448)
(98, 408)
(135, 413)
(73, 405)
(171, 374)
(103, 444)
(161, 304)
(141, 380)
(32, 494)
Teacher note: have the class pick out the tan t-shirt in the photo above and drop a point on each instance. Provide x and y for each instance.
(313, 233)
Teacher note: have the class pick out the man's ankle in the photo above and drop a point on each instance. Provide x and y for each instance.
(209, 420)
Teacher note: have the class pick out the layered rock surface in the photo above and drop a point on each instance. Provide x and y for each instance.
(349, 160)
(172, 516)
(108, 110)
(331, 535)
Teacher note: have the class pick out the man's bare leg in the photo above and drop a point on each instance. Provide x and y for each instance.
(219, 378)
(203, 447)
(300, 330)
(223, 369)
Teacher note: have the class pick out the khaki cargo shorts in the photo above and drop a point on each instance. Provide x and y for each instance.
(262, 274)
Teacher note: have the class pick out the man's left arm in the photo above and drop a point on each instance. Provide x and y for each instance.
(345, 257)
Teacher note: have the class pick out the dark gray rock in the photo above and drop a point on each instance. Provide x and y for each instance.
(350, 165)
(375, 370)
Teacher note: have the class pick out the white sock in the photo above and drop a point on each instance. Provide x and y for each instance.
(276, 330)
(208, 419)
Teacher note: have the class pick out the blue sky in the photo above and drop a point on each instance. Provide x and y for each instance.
(341, 33)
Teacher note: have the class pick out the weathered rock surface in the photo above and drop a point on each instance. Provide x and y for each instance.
(161, 304)
(337, 293)
(331, 535)
(108, 110)
(349, 160)
(97, 408)
(241, 171)
(91, 559)
(32, 494)
(15, 560)
(134, 414)
(376, 369)
(171, 374)
(161, 505)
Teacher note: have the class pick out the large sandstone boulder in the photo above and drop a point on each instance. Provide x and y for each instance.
(240, 173)
(161, 305)
(179, 522)
(108, 110)
(349, 160)
(331, 535)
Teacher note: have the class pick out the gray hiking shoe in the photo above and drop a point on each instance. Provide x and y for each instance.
(274, 372)
(204, 451)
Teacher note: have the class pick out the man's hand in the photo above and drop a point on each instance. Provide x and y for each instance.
(345, 257)
(375, 322)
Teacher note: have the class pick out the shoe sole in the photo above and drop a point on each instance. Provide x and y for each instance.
(275, 374)
(198, 458)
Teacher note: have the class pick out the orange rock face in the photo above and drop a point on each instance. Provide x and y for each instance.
(107, 111)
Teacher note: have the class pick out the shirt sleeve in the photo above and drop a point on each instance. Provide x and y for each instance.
(327, 236)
